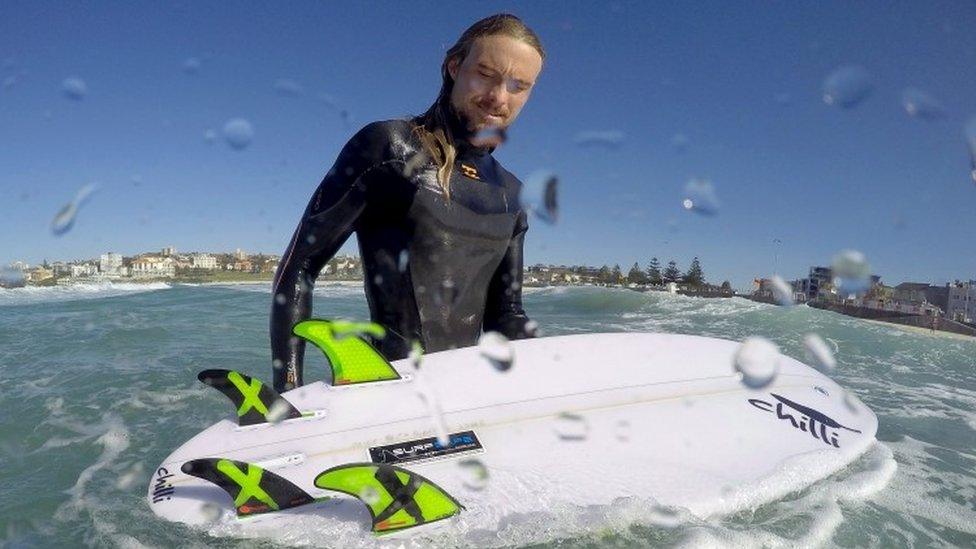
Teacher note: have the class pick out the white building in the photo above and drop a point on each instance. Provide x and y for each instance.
(962, 302)
(204, 261)
(154, 267)
(240, 255)
(169, 251)
(111, 264)
(85, 269)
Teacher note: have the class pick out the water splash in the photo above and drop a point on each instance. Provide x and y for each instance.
(782, 292)
(757, 361)
(847, 86)
(818, 353)
(65, 218)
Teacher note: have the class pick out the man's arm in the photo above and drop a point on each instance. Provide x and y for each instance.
(503, 305)
(328, 221)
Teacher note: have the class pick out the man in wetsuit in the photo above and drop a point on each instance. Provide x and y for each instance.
(438, 219)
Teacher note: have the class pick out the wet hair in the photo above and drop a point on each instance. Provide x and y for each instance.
(433, 127)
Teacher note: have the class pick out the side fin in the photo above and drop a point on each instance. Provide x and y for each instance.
(352, 358)
(253, 489)
(396, 497)
(254, 400)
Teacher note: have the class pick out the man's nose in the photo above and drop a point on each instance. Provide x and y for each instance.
(498, 94)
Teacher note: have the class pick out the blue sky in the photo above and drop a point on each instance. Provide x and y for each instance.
(742, 82)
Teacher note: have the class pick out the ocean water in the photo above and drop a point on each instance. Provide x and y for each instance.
(98, 385)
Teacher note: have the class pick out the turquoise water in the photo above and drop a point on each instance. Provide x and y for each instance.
(98, 385)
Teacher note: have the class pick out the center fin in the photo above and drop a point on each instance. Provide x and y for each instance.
(256, 402)
(352, 358)
(253, 489)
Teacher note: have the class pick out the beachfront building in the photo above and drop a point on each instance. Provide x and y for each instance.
(38, 275)
(83, 270)
(110, 265)
(239, 255)
(962, 301)
(204, 261)
(168, 251)
(153, 267)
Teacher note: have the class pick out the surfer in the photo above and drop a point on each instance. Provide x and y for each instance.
(437, 218)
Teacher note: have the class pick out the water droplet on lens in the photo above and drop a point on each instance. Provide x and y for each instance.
(665, 517)
(852, 402)
(238, 133)
(65, 218)
(277, 364)
(921, 105)
(402, 261)
(474, 474)
(11, 277)
(532, 329)
(610, 139)
(280, 299)
(847, 86)
(279, 411)
(851, 273)
(310, 239)
(210, 512)
(74, 88)
(490, 136)
(416, 354)
(623, 430)
(191, 65)
(970, 132)
(570, 426)
(497, 349)
(818, 353)
(369, 495)
(448, 293)
(700, 197)
(210, 136)
(539, 195)
(416, 160)
(679, 142)
(757, 360)
(288, 88)
(782, 292)
(9, 82)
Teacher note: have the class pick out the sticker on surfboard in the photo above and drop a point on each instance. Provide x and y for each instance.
(423, 449)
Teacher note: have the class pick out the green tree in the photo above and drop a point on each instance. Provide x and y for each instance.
(654, 272)
(636, 275)
(694, 276)
(603, 275)
(671, 273)
(617, 275)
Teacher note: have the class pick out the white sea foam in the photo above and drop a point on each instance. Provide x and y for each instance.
(31, 295)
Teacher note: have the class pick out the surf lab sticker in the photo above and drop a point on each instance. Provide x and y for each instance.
(464, 442)
(803, 418)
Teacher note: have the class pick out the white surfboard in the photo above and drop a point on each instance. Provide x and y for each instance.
(577, 420)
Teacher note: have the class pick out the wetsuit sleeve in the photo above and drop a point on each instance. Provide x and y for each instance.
(327, 223)
(503, 307)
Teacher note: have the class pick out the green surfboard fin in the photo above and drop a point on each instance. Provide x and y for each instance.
(352, 358)
(253, 489)
(396, 498)
(254, 400)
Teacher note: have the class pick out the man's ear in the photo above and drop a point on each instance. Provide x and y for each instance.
(453, 67)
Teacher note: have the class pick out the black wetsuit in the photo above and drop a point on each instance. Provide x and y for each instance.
(437, 271)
